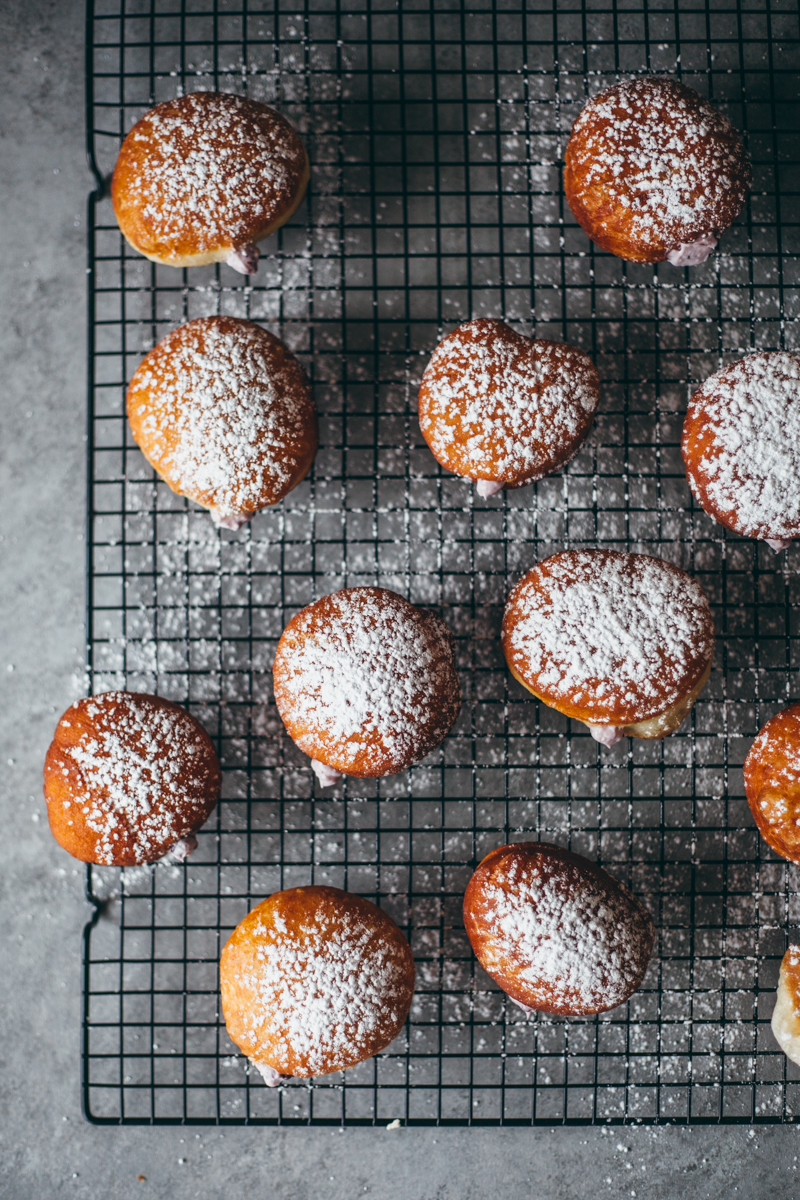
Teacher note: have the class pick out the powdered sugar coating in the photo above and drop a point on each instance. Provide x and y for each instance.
(741, 446)
(315, 980)
(772, 782)
(555, 931)
(128, 777)
(498, 407)
(224, 413)
(205, 174)
(651, 166)
(365, 682)
(610, 638)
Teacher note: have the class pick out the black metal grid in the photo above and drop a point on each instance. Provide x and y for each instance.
(435, 131)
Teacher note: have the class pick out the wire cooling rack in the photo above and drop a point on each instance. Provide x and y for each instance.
(436, 132)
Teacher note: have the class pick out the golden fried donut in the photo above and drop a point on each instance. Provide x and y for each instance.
(314, 980)
(555, 931)
(202, 178)
(128, 779)
(772, 782)
(224, 413)
(653, 172)
(622, 642)
(366, 683)
(741, 447)
(786, 1016)
(503, 409)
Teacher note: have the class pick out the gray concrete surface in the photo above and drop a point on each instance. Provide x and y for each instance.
(46, 1150)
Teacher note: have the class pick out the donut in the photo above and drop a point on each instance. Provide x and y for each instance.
(314, 980)
(202, 178)
(772, 782)
(654, 173)
(129, 778)
(555, 931)
(622, 642)
(503, 409)
(786, 1016)
(224, 413)
(741, 447)
(366, 683)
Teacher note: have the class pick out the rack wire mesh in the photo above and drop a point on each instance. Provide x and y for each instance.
(435, 131)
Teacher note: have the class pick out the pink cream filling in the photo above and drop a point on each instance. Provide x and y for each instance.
(181, 850)
(326, 775)
(244, 260)
(487, 488)
(778, 544)
(271, 1077)
(606, 735)
(519, 1004)
(235, 521)
(691, 254)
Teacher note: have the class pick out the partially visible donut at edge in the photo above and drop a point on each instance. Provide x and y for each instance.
(653, 172)
(129, 778)
(556, 931)
(741, 447)
(503, 409)
(315, 980)
(205, 177)
(772, 782)
(366, 683)
(622, 642)
(224, 413)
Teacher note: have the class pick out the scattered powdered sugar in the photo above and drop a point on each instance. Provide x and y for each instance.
(367, 672)
(223, 408)
(500, 408)
(581, 943)
(749, 416)
(209, 169)
(139, 775)
(328, 992)
(666, 156)
(611, 627)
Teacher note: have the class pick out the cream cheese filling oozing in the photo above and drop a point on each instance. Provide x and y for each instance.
(244, 260)
(326, 775)
(691, 254)
(606, 735)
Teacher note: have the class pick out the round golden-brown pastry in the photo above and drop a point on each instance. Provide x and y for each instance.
(314, 980)
(366, 683)
(555, 931)
(203, 178)
(622, 642)
(772, 782)
(786, 1016)
(224, 413)
(129, 778)
(653, 172)
(741, 447)
(504, 409)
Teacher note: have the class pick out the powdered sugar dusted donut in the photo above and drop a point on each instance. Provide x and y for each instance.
(366, 683)
(652, 171)
(128, 779)
(786, 1016)
(555, 931)
(504, 410)
(622, 642)
(315, 980)
(224, 413)
(202, 178)
(741, 447)
(772, 782)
